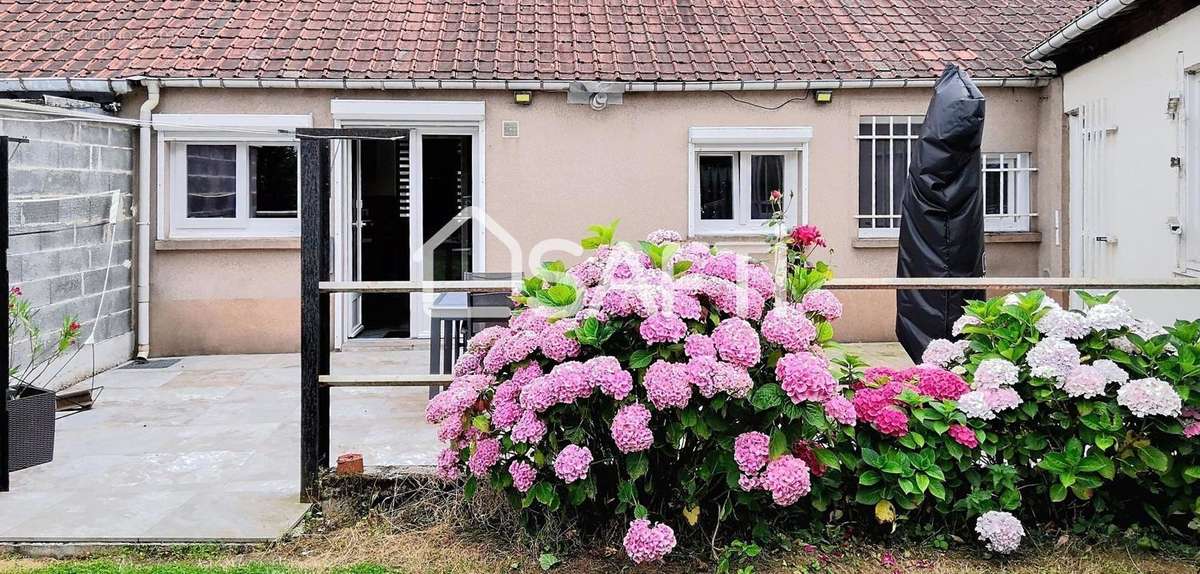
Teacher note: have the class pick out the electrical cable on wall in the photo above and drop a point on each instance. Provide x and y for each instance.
(768, 108)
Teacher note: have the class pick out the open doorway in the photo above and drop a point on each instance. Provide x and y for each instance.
(400, 195)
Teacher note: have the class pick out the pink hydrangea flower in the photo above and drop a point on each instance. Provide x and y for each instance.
(555, 343)
(787, 479)
(1084, 381)
(875, 376)
(535, 319)
(486, 455)
(512, 349)
(572, 463)
(523, 475)
(824, 303)
(687, 307)
(571, 381)
(788, 327)
(698, 345)
(840, 410)
(530, 371)
(505, 406)
(751, 451)
(737, 342)
(667, 385)
(646, 543)
(805, 377)
(868, 402)
(540, 394)
(1002, 399)
(631, 428)
(450, 429)
(662, 328)
(711, 376)
(661, 236)
(938, 383)
(1150, 397)
(457, 398)
(483, 340)
(606, 373)
(963, 435)
(529, 428)
(447, 465)
(749, 482)
(891, 422)
(468, 364)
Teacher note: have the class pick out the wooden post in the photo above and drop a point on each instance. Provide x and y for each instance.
(4, 383)
(314, 307)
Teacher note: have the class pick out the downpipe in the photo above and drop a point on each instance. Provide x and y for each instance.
(143, 222)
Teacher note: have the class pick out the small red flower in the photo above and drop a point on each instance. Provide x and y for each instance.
(74, 326)
(15, 291)
(804, 236)
(776, 195)
(804, 451)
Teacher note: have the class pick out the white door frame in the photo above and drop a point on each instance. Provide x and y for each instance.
(421, 117)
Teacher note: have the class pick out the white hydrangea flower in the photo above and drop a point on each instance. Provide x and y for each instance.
(1000, 530)
(1150, 397)
(975, 405)
(962, 322)
(1052, 358)
(1111, 371)
(1063, 324)
(1109, 316)
(994, 373)
(1123, 344)
(945, 353)
(1146, 329)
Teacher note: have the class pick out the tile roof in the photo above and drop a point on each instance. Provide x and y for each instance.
(629, 40)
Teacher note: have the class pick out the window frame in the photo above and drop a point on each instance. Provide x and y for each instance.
(1019, 220)
(743, 144)
(177, 131)
(1190, 241)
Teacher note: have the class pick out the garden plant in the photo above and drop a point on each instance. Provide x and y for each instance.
(692, 394)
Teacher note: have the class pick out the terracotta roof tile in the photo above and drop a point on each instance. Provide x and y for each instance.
(631, 40)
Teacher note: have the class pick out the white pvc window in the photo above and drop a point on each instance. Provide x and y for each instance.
(1191, 172)
(886, 146)
(735, 171)
(228, 176)
(234, 189)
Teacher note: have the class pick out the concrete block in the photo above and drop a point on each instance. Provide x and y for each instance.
(41, 212)
(56, 239)
(106, 279)
(25, 182)
(66, 287)
(93, 133)
(54, 131)
(120, 137)
(114, 159)
(40, 265)
(23, 243)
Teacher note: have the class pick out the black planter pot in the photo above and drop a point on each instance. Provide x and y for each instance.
(31, 428)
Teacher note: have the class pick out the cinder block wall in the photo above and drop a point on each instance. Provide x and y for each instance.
(70, 246)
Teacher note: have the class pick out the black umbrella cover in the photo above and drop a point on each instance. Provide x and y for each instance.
(941, 225)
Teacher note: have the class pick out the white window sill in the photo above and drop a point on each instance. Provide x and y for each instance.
(990, 237)
(230, 244)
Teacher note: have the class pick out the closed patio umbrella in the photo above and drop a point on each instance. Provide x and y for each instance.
(941, 225)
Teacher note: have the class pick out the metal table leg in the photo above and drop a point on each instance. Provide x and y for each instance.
(435, 354)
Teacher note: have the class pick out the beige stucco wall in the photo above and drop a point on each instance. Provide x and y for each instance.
(571, 167)
(1141, 190)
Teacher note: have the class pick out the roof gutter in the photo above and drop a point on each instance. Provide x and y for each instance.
(76, 85)
(1077, 27)
(564, 85)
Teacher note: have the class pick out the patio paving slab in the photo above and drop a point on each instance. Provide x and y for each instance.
(208, 449)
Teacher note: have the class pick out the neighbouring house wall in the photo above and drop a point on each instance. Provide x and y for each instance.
(1132, 84)
(571, 167)
(66, 253)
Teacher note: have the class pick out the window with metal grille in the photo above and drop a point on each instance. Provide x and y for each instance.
(885, 148)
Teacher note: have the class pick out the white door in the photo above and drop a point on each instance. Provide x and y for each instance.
(354, 300)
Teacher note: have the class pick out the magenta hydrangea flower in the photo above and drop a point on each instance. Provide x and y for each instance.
(606, 373)
(555, 343)
(667, 385)
(938, 383)
(468, 364)
(646, 543)
(761, 280)
(805, 377)
(540, 394)
(529, 428)
(486, 455)
(450, 429)
(751, 451)
(505, 407)
(840, 410)
(737, 342)
(572, 463)
(512, 349)
(711, 376)
(1084, 381)
(963, 435)
(788, 327)
(891, 422)
(523, 475)
(749, 482)
(571, 381)
(447, 465)
(687, 307)
(824, 303)
(527, 373)
(662, 328)
(787, 479)
(875, 376)
(631, 428)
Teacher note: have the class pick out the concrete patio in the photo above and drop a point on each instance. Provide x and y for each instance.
(207, 449)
